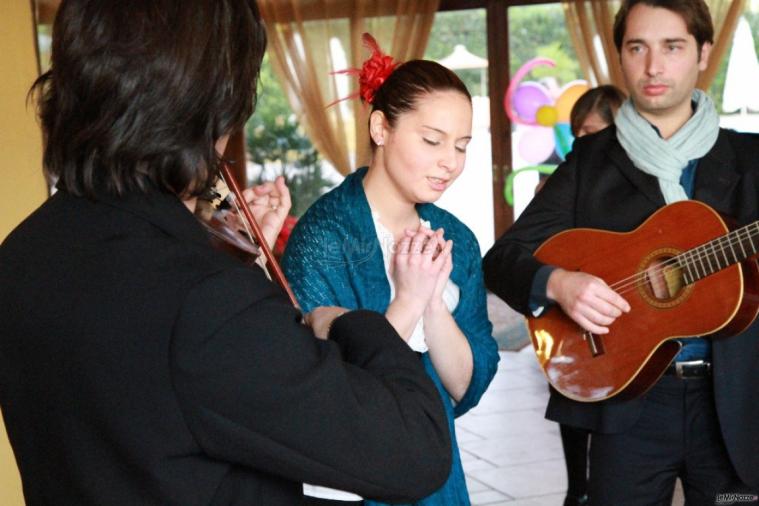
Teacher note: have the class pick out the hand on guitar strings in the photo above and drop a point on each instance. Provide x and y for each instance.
(586, 299)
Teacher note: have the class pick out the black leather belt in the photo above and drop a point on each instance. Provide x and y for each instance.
(690, 369)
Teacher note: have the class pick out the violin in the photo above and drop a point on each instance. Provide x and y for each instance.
(246, 244)
(225, 236)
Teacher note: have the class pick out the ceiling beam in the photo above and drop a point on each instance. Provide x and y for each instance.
(457, 5)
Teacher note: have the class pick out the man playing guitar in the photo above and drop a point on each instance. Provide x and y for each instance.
(666, 146)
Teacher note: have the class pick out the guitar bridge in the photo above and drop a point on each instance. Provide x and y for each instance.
(595, 343)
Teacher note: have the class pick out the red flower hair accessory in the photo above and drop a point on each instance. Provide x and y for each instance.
(372, 73)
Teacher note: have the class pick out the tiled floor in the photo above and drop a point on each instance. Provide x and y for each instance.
(511, 454)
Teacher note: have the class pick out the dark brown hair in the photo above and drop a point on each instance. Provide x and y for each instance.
(695, 13)
(604, 100)
(409, 82)
(139, 91)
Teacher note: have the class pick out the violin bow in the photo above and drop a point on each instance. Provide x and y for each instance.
(271, 263)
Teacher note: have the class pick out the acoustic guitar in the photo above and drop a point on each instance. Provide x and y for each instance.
(684, 274)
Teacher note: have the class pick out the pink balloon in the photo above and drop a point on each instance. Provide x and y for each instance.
(528, 98)
(516, 80)
(536, 144)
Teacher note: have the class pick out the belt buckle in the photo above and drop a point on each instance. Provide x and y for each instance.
(679, 367)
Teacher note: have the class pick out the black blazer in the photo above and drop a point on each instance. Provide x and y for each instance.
(598, 187)
(138, 366)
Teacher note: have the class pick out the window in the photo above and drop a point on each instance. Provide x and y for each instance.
(545, 81)
(734, 87)
(458, 40)
(276, 145)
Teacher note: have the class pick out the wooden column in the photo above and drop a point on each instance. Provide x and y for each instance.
(500, 126)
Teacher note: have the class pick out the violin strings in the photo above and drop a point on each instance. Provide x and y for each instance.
(236, 205)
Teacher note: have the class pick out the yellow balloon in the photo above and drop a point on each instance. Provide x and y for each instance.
(567, 100)
(546, 115)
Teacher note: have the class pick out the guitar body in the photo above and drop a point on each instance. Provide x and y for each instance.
(639, 346)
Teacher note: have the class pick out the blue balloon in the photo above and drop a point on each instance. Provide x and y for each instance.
(563, 136)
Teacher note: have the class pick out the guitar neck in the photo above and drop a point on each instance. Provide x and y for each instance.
(719, 253)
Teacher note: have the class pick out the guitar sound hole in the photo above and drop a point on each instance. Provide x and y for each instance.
(663, 279)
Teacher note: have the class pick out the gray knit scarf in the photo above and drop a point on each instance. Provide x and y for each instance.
(666, 159)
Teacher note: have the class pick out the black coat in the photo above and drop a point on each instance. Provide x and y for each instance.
(598, 187)
(139, 366)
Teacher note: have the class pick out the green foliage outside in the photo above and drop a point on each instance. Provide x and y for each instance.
(277, 144)
(534, 31)
(540, 31)
(752, 16)
(460, 27)
(457, 27)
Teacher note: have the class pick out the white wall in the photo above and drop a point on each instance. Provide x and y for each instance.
(470, 198)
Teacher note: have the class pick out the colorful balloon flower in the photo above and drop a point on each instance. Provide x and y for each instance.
(531, 105)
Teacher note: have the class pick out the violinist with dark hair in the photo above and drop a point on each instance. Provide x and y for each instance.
(139, 365)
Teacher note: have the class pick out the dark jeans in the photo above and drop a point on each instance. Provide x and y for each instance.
(574, 441)
(677, 435)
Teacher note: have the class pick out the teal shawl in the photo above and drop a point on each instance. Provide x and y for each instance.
(333, 258)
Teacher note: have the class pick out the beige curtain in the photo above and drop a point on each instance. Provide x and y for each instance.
(590, 24)
(725, 14)
(309, 39)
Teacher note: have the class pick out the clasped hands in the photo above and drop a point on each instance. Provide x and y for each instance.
(420, 268)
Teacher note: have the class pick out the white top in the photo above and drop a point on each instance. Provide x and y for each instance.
(416, 342)
(451, 293)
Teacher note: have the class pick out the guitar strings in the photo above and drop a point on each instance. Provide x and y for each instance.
(697, 255)
(689, 259)
(692, 256)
